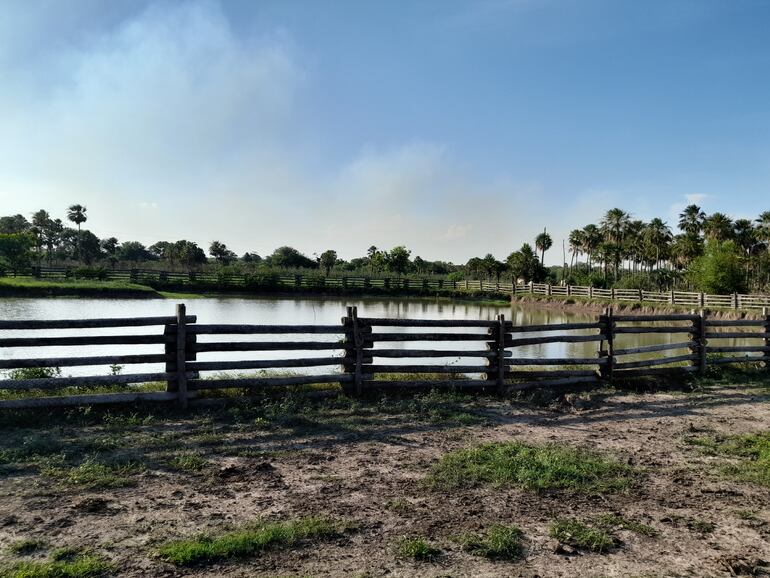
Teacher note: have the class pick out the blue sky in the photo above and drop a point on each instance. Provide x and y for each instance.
(456, 128)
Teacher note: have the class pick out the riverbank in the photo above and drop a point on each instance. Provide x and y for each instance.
(28, 287)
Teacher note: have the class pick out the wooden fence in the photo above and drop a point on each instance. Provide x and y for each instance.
(319, 281)
(493, 355)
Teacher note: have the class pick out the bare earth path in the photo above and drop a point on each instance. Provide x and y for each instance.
(357, 463)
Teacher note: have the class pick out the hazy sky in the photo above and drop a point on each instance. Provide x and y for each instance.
(456, 128)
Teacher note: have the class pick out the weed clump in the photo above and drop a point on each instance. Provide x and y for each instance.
(577, 534)
(416, 548)
(498, 542)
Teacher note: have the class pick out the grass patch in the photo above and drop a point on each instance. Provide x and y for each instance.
(550, 467)
(498, 542)
(24, 547)
(416, 548)
(752, 452)
(612, 522)
(93, 475)
(577, 534)
(31, 286)
(247, 542)
(81, 565)
(189, 462)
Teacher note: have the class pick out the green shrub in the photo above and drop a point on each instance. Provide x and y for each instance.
(497, 542)
(576, 534)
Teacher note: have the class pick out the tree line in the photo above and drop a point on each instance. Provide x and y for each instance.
(712, 253)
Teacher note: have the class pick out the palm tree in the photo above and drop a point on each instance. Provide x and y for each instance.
(718, 227)
(593, 238)
(543, 242)
(691, 220)
(763, 228)
(657, 241)
(77, 214)
(615, 224)
(576, 244)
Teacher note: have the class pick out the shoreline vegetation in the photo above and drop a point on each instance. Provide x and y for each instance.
(33, 287)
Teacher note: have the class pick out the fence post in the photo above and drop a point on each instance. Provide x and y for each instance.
(548, 289)
(501, 335)
(766, 315)
(672, 297)
(181, 354)
(735, 301)
(609, 332)
(354, 354)
(590, 291)
(641, 296)
(702, 299)
(531, 287)
(699, 330)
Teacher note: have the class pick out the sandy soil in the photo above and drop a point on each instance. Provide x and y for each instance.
(372, 477)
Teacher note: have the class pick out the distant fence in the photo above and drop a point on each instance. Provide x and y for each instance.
(360, 351)
(320, 281)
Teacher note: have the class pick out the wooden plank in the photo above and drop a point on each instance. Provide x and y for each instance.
(202, 384)
(430, 383)
(89, 323)
(181, 356)
(553, 383)
(429, 337)
(556, 361)
(425, 322)
(746, 359)
(84, 340)
(430, 368)
(653, 362)
(653, 348)
(94, 399)
(554, 373)
(264, 363)
(489, 354)
(269, 346)
(264, 329)
(736, 335)
(554, 339)
(644, 372)
(646, 318)
(735, 322)
(740, 349)
(554, 327)
(79, 361)
(640, 330)
(60, 382)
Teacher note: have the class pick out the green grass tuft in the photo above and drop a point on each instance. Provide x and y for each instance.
(416, 548)
(579, 535)
(752, 452)
(498, 542)
(247, 542)
(79, 566)
(531, 467)
(93, 475)
(27, 546)
(611, 522)
(189, 462)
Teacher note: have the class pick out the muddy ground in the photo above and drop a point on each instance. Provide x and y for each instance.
(365, 463)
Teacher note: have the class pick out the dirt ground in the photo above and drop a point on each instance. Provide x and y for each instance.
(357, 463)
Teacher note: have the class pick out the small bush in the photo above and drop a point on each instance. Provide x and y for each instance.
(416, 548)
(34, 373)
(497, 542)
(578, 535)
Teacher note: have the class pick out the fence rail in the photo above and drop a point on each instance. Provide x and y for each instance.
(362, 354)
